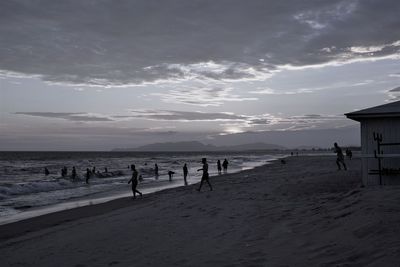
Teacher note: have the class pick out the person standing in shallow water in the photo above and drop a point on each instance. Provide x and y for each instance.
(225, 165)
(156, 170)
(340, 156)
(134, 181)
(219, 166)
(88, 173)
(185, 173)
(205, 176)
(73, 173)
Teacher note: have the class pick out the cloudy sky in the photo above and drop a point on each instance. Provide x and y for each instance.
(100, 74)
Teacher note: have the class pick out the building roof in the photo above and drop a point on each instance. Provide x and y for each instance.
(382, 111)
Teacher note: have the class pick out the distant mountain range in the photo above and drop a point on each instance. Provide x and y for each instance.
(198, 146)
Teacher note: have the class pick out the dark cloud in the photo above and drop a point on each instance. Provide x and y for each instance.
(78, 117)
(104, 42)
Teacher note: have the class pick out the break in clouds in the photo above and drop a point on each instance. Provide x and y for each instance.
(226, 120)
(109, 43)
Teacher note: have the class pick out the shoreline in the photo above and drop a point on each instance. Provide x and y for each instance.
(305, 208)
(30, 208)
(12, 228)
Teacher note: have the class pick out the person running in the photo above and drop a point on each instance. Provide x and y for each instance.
(73, 175)
(225, 165)
(205, 176)
(219, 167)
(156, 170)
(185, 173)
(340, 157)
(134, 181)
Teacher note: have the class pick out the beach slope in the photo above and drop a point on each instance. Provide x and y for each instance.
(303, 213)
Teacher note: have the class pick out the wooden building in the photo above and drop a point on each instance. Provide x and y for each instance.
(380, 143)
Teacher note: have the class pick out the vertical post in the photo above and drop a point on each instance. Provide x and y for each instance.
(378, 138)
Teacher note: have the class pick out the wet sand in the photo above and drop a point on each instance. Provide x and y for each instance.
(303, 213)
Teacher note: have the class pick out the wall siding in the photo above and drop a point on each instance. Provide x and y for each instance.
(390, 130)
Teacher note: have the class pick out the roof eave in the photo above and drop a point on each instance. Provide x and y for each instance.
(358, 117)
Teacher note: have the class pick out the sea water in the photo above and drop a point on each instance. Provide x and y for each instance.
(25, 190)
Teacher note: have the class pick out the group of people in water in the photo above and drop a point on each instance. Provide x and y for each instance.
(74, 175)
(136, 177)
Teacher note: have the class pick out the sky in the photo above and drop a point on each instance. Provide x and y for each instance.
(104, 74)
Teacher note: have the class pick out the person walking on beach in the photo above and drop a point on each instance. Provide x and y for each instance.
(46, 171)
(340, 157)
(225, 165)
(205, 177)
(156, 170)
(219, 167)
(185, 173)
(134, 181)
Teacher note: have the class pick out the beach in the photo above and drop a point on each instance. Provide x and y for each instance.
(302, 213)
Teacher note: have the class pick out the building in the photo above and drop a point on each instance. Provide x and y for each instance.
(380, 143)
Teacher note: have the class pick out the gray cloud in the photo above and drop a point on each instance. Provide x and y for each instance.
(397, 89)
(174, 115)
(103, 42)
(78, 117)
(201, 95)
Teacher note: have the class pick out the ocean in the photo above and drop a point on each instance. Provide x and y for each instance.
(25, 190)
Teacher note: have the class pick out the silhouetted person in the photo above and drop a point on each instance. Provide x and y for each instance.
(134, 181)
(219, 166)
(185, 173)
(64, 171)
(140, 178)
(340, 157)
(94, 170)
(170, 175)
(156, 170)
(225, 165)
(105, 170)
(205, 177)
(46, 171)
(349, 154)
(297, 154)
(88, 173)
(291, 153)
(73, 175)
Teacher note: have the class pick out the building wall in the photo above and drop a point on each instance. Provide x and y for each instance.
(390, 130)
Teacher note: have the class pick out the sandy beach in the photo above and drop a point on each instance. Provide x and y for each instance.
(303, 213)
